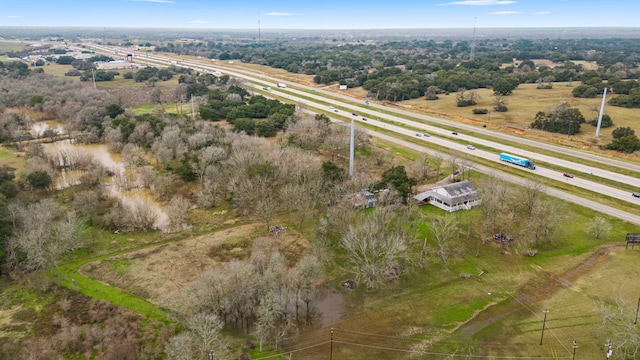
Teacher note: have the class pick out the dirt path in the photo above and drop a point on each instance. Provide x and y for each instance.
(538, 289)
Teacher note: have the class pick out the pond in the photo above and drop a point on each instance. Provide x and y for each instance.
(68, 153)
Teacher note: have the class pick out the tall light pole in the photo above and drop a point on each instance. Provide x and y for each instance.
(544, 323)
(604, 96)
(351, 147)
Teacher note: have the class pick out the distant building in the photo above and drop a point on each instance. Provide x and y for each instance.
(342, 87)
(451, 197)
(117, 65)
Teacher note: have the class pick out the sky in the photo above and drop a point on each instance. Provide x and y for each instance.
(320, 14)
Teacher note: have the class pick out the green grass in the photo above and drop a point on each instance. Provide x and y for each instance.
(169, 107)
(71, 278)
(10, 158)
(10, 46)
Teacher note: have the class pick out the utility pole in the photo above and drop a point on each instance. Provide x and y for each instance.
(544, 323)
(351, 147)
(609, 351)
(331, 346)
(210, 355)
(604, 96)
(193, 114)
(575, 346)
(637, 308)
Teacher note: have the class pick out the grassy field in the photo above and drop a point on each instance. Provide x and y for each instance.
(119, 82)
(9, 46)
(11, 158)
(431, 309)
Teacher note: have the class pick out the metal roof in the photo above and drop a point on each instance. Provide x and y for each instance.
(455, 193)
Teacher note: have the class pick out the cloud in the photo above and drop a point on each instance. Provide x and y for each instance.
(156, 1)
(15, 16)
(542, 12)
(480, 2)
(278, 14)
(506, 12)
(198, 22)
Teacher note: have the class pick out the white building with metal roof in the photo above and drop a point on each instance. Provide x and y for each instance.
(452, 197)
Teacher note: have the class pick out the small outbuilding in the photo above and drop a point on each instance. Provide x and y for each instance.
(451, 197)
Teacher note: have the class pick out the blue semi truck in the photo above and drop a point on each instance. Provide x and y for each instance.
(517, 160)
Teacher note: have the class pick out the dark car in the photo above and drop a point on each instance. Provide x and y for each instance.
(636, 195)
(426, 135)
(354, 114)
(454, 133)
(570, 176)
(336, 110)
(364, 119)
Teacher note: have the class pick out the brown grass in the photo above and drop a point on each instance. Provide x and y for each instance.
(155, 271)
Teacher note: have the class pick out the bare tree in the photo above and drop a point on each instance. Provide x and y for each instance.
(599, 227)
(156, 95)
(438, 160)
(181, 347)
(272, 321)
(376, 251)
(177, 211)
(419, 168)
(545, 220)
(113, 137)
(42, 233)
(307, 133)
(132, 155)
(205, 329)
(619, 325)
(444, 229)
(85, 203)
(530, 196)
(142, 133)
(302, 198)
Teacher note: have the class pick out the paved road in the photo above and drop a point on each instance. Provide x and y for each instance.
(443, 138)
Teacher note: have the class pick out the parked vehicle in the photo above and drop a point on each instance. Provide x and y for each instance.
(512, 159)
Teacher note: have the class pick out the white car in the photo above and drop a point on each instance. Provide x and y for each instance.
(471, 147)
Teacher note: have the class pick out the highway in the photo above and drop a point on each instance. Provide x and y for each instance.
(385, 117)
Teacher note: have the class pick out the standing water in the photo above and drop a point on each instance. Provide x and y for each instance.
(69, 154)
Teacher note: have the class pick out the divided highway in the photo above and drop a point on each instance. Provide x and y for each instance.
(387, 118)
